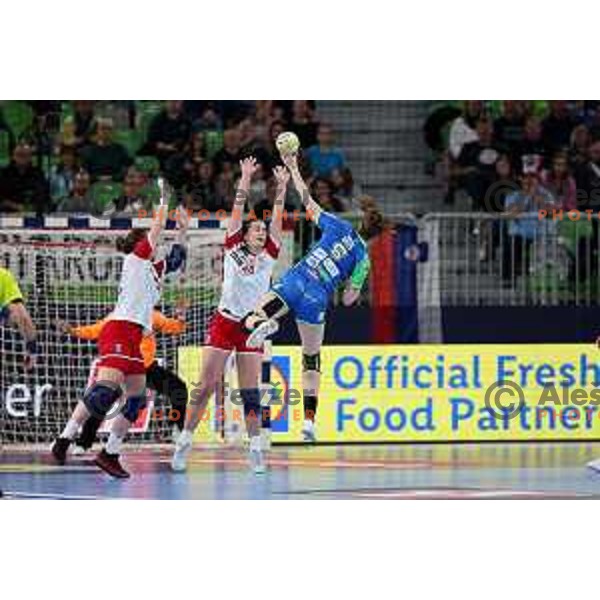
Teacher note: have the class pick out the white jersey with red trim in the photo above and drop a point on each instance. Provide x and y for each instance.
(246, 276)
(139, 288)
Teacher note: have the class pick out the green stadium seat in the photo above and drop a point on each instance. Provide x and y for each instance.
(18, 116)
(103, 193)
(4, 148)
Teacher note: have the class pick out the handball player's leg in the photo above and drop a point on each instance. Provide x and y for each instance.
(213, 366)
(249, 369)
(109, 457)
(311, 336)
(263, 321)
(97, 403)
(173, 388)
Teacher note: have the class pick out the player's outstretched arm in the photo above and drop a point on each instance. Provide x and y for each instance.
(282, 176)
(158, 223)
(248, 166)
(19, 317)
(313, 210)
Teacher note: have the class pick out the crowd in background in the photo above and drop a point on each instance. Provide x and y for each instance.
(557, 142)
(101, 157)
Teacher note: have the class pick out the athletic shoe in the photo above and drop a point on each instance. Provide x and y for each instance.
(257, 458)
(110, 464)
(308, 431)
(594, 465)
(258, 336)
(183, 447)
(59, 450)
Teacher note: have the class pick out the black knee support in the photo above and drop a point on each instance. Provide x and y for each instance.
(311, 362)
(133, 406)
(310, 407)
(251, 400)
(100, 397)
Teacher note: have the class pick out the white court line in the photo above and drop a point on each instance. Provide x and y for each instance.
(42, 495)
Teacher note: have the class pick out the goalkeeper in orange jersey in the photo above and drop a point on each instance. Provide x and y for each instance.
(158, 378)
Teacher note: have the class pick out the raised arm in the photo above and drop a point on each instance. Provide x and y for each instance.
(248, 167)
(160, 218)
(282, 175)
(313, 210)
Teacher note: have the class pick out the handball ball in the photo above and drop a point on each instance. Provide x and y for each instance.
(287, 142)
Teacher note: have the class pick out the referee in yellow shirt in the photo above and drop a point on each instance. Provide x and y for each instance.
(13, 312)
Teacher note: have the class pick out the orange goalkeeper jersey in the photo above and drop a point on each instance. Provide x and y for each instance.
(160, 324)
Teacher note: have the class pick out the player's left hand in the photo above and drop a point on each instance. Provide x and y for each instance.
(282, 176)
(350, 296)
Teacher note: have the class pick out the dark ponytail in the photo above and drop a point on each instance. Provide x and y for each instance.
(127, 243)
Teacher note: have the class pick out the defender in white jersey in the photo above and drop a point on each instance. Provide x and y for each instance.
(251, 250)
(121, 365)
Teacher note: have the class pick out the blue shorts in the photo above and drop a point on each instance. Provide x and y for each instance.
(304, 295)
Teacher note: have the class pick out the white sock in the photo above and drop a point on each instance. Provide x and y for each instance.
(71, 429)
(114, 443)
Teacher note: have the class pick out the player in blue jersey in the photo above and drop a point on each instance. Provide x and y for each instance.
(339, 257)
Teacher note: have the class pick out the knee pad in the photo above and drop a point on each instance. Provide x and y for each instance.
(311, 362)
(251, 400)
(273, 306)
(133, 406)
(100, 397)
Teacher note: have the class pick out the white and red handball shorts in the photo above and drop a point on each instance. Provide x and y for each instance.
(119, 346)
(228, 334)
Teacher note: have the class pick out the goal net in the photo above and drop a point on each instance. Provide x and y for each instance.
(72, 276)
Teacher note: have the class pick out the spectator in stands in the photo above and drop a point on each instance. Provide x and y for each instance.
(225, 186)
(209, 120)
(462, 130)
(344, 186)
(263, 116)
(248, 136)
(532, 143)
(579, 146)
(103, 158)
(200, 189)
(83, 121)
(324, 196)
(587, 177)
(267, 154)
(230, 153)
(4, 127)
(62, 175)
(509, 128)
(79, 199)
(560, 183)
(196, 153)
(168, 134)
(525, 226)
(132, 200)
(324, 157)
(557, 127)
(476, 162)
(304, 123)
(23, 186)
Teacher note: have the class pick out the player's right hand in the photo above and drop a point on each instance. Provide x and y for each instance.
(249, 166)
(290, 160)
